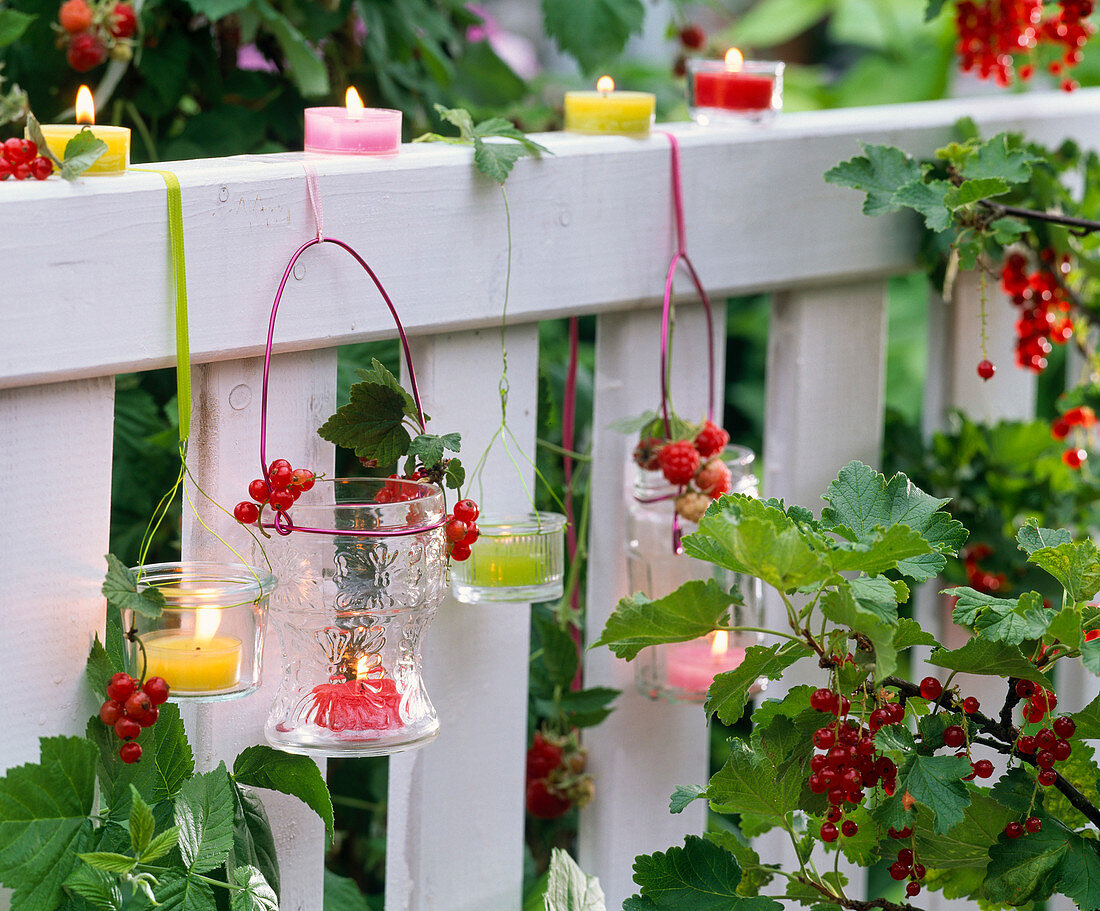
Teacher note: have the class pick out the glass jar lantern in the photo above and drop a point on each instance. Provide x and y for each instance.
(683, 671)
(515, 558)
(208, 641)
(361, 581)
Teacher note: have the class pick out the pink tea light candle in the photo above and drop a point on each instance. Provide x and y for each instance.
(690, 667)
(353, 129)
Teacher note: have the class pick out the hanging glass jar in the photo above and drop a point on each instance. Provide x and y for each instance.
(517, 558)
(683, 671)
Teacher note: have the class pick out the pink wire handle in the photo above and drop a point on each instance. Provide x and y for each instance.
(282, 523)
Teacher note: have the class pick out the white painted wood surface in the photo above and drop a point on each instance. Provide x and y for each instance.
(645, 748)
(456, 816)
(592, 234)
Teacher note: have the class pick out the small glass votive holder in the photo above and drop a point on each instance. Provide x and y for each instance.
(721, 92)
(515, 558)
(353, 131)
(207, 643)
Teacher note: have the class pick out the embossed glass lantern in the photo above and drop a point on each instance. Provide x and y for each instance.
(360, 583)
(209, 638)
(683, 671)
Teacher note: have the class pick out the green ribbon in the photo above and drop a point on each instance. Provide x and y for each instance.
(179, 281)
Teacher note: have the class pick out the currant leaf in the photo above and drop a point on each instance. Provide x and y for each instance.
(971, 191)
(881, 550)
(592, 31)
(996, 159)
(966, 844)
(1075, 564)
(371, 424)
(1031, 537)
(754, 873)
(880, 172)
(840, 606)
(81, 152)
(297, 776)
(983, 656)
(927, 198)
(729, 692)
(455, 475)
(1027, 869)
(752, 782)
(379, 374)
(120, 588)
(684, 796)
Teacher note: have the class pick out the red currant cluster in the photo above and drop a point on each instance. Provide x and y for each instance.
(555, 776)
(131, 706)
(1044, 308)
(695, 464)
(906, 866)
(461, 529)
(393, 491)
(19, 158)
(979, 579)
(992, 33)
(283, 486)
(1081, 417)
(92, 32)
(1049, 745)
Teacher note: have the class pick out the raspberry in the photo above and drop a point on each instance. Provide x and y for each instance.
(544, 803)
(679, 461)
(645, 453)
(711, 440)
(86, 52)
(542, 757)
(75, 16)
(714, 478)
(123, 21)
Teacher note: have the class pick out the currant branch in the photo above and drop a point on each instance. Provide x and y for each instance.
(855, 904)
(1080, 227)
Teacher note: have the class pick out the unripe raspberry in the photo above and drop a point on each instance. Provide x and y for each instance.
(714, 478)
(75, 16)
(679, 461)
(691, 505)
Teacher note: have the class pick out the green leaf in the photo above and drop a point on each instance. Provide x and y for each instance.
(700, 876)
(909, 633)
(559, 651)
(100, 668)
(693, 610)
(569, 888)
(983, 656)
(1000, 619)
(773, 22)
(161, 845)
(81, 152)
(120, 588)
(142, 823)
(1066, 626)
(967, 843)
(880, 172)
(12, 25)
(1076, 565)
(683, 796)
(593, 32)
(216, 9)
(1088, 721)
(204, 814)
(1081, 771)
(496, 159)
(840, 606)
(429, 447)
(1026, 869)
(253, 843)
(498, 126)
(305, 67)
(380, 375)
(255, 894)
(882, 550)
(752, 781)
(371, 424)
(936, 782)
(994, 160)
(185, 893)
(1080, 873)
(729, 692)
(109, 862)
(33, 132)
(1032, 538)
(588, 707)
(44, 810)
(927, 198)
(455, 475)
(970, 191)
(97, 888)
(460, 118)
(754, 874)
(933, 9)
(343, 894)
(863, 848)
(298, 776)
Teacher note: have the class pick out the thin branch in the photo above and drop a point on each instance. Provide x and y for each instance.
(1078, 226)
(855, 904)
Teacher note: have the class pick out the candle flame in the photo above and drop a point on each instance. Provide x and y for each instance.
(364, 665)
(207, 621)
(85, 106)
(352, 101)
(734, 59)
(721, 643)
(605, 84)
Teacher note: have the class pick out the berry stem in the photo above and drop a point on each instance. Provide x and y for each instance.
(134, 637)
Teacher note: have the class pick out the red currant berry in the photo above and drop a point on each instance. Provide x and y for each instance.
(905, 856)
(157, 690)
(818, 784)
(1044, 699)
(898, 870)
(1073, 458)
(138, 706)
(130, 752)
(41, 168)
(1033, 824)
(280, 474)
(919, 871)
(983, 768)
(1047, 777)
(455, 530)
(303, 478)
(848, 828)
(150, 717)
(986, 369)
(1027, 744)
(472, 534)
(828, 831)
(912, 888)
(931, 688)
(120, 687)
(281, 498)
(246, 513)
(20, 151)
(896, 711)
(21, 171)
(127, 729)
(693, 37)
(1033, 713)
(1014, 829)
(5, 169)
(258, 490)
(971, 705)
(1024, 688)
(900, 833)
(824, 738)
(836, 795)
(954, 736)
(460, 552)
(1061, 750)
(110, 712)
(835, 814)
(1064, 727)
(822, 699)
(1045, 738)
(466, 511)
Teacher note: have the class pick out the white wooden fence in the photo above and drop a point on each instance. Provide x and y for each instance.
(86, 296)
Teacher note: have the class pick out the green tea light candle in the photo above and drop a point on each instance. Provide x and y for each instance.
(518, 558)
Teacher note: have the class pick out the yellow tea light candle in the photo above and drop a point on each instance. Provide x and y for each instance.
(609, 111)
(117, 157)
(192, 664)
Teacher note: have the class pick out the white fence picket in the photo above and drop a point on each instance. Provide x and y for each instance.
(455, 826)
(645, 748)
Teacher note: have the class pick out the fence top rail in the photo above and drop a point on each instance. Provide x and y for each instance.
(88, 291)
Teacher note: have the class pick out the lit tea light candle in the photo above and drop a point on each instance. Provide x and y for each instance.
(692, 666)
(734, 88)
(117, 157)
(353, 129)
(197, 661)
(608, 110)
